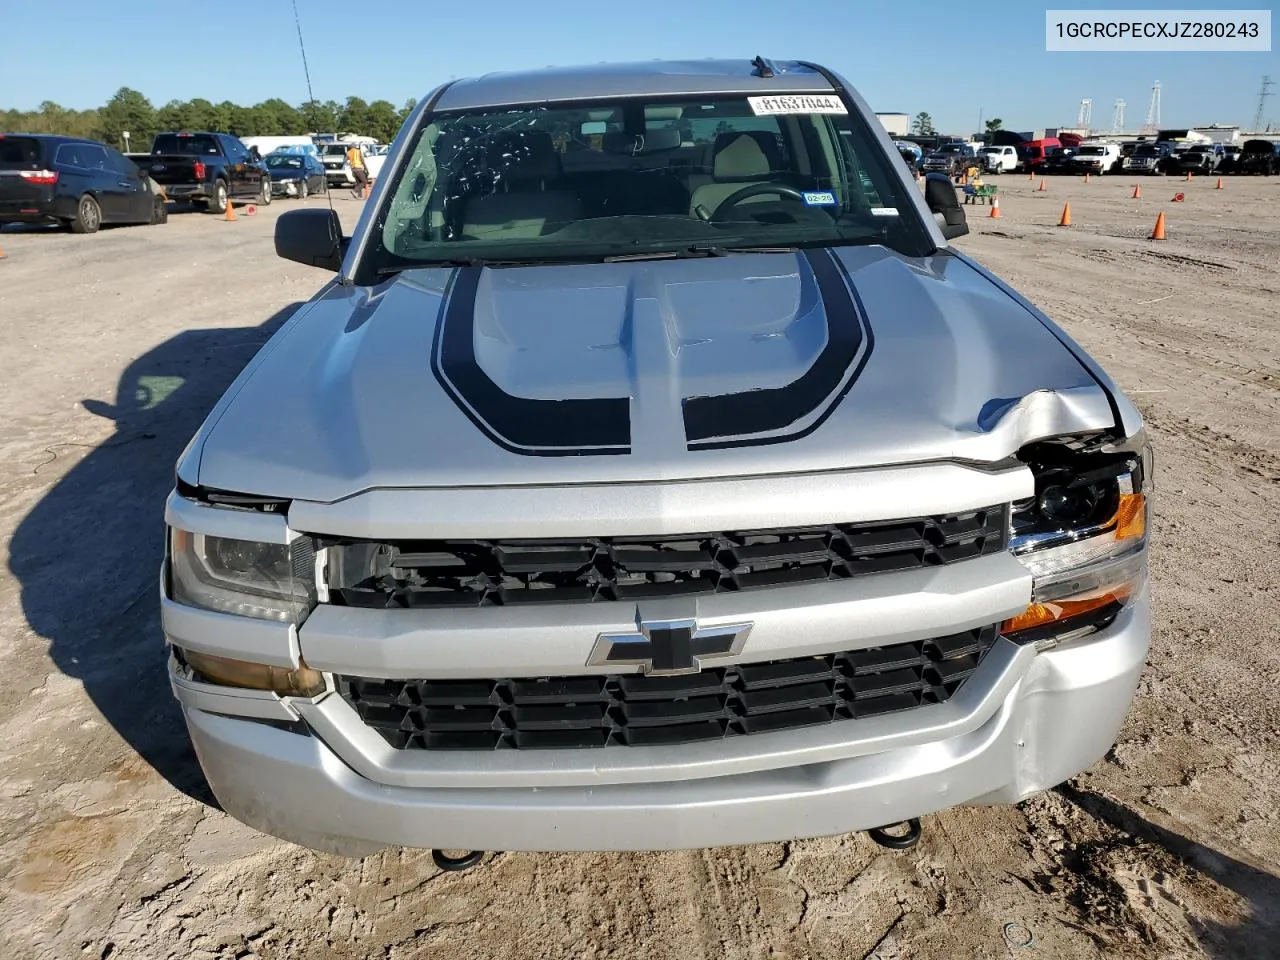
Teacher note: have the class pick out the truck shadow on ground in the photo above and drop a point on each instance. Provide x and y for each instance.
(88, 554)
(1257, 934)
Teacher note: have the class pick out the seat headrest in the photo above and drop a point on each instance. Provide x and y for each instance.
(745, 154)
(523, 156)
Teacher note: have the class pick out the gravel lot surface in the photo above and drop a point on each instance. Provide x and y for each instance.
(115, 345)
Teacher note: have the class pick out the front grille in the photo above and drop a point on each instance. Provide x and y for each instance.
(436, 573)
(636, 710)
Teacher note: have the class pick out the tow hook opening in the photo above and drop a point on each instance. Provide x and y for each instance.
(897, 836)
(456, 864)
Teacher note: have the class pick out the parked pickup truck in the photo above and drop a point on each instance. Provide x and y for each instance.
(953, 159)
(470, 557)
(1259, 156)
(1096, 158)
(1152, 159)
(209, 169)
(1201, 158)
(1003, 159)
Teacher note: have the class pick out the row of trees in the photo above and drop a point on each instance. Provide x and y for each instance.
(130, 111)
(922, 125)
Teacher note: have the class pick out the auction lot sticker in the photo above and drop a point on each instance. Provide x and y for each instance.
(802, 103)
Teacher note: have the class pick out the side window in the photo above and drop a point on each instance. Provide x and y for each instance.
(234, 150)
(68, 155)
(95, 158)
(121, 164)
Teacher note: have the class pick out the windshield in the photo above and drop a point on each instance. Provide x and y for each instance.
(198, 145)
(335, 149)
(277, 161)
(636, 177)
(1092, 151)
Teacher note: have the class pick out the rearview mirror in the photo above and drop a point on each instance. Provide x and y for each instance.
(943, 203)
(311, 237)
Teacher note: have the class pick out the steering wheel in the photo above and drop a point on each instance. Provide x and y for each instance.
(753, 190)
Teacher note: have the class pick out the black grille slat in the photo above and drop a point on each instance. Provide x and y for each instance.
(463, 573)
(636, 710)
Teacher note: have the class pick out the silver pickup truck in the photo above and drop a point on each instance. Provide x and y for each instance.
(653, 473)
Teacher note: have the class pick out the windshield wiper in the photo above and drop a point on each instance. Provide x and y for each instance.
(694, 251)
(455, 262)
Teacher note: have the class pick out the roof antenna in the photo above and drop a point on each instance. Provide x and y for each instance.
(763, 67)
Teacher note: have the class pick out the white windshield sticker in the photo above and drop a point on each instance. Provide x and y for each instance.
(808, 103)
(884, 211)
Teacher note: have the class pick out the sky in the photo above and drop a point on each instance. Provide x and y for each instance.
(956, 61)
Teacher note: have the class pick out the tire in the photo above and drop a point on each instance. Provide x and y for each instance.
(221, 197)
(304, 191)
(88, 216)
(159, 211)
(265, 192)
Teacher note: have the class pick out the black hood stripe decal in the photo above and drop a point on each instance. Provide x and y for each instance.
(537, 428)
(747, 419)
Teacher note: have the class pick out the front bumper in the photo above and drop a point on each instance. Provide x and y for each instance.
(285, 188)
(1024, 722)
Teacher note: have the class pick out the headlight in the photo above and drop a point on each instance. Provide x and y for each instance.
(1083, 537)
(269, 581)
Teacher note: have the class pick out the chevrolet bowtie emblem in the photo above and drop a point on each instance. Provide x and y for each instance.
(667, 647)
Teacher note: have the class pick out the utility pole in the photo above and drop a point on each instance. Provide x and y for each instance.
(1263, 93)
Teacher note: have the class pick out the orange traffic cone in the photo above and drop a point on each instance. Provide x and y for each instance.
(231, 213)
(1042, 188)
(1188, 176)
(1158, 232)
(1137, 192)
(1086, 178)
(995, 208)
(1219, 186)
(1066, 216)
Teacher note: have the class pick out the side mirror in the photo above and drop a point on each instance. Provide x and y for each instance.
(311, 237)
(940, 196)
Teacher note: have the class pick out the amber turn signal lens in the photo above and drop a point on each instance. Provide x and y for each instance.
(1054, 611)
(286, 682)
(1131, 516)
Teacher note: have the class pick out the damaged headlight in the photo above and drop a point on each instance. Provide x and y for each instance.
(269, 581)
(1083, 536)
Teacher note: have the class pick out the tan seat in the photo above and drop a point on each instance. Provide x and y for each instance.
(739, 160)
(526, 202)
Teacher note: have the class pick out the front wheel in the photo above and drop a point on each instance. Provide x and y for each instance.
(265, 192)
(218, 202)
(159, 211)
(303, 191)
(88, 216)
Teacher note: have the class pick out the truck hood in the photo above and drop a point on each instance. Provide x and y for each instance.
(644, 371)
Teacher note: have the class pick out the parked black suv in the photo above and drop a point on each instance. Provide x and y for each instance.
(80, 183)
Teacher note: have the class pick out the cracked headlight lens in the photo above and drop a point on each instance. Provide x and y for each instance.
(1083, 538)
(267, 581)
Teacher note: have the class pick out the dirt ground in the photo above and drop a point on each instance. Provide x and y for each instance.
(112, 348)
